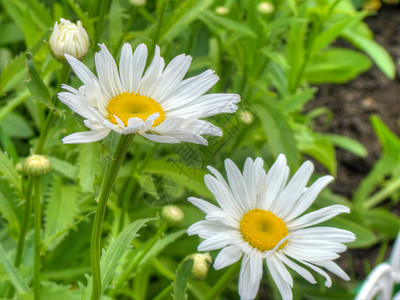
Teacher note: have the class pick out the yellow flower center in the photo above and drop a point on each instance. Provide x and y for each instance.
(262, 229)
(131, 105)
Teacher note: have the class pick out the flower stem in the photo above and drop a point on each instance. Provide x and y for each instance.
(138, 258)
(223, 282)
(102, 14)
(38, 221)
(105, 191)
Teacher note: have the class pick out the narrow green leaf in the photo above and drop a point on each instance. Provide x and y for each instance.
(336, 66)
(379, 55)
(348, 144)
(15, 126)
(278, 131)
(9, 207)
(10, 173)
(36, 85)
(64, 167)
(159, 246)
(382, 221)
(11, 70)
(111, 257)
(15, 277)
(61, 209)
(182, 17)
(182, 277)
(89, 165)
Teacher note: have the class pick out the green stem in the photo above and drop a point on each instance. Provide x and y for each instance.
(25, 224)
(160, 22)
(382, 194)
(36, 261)
(138, 258)
(223, 282)
(52, 114)
(100, 24)
(164, 293)
(105, 191)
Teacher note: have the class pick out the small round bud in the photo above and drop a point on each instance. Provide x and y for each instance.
(138, 2)
(222, 10)
(172, 214)
(265, 7)
(247, 117)
(69, 38)
(37, 165)
(201, 264)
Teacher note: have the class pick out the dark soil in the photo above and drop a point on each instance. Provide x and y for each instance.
(352, 105)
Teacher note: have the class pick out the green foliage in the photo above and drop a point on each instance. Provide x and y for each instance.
(182, 276)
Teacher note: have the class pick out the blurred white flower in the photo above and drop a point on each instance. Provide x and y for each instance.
(259, 219)
(265, 7)
(201, 264)
(69, 38)
(172, 214)
(158, 105)
(222, 10)
(247, 117)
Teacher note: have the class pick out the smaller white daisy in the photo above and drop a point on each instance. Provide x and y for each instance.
(259, 219)
(157, 103)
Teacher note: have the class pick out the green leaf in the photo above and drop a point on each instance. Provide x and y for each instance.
(278, 131)
(51, 291)
(11, 70)
(229, 24)
(36, 85)
(159, 246)
(116, 17)
(64, 167)
(382, 221)
(182, 17)
(297, 101)
(276, 57)
(378, 54)
(9, 208)
(89, 165)
(15, 126)
(111, 257)
(10, 173)
(15, 277)
(61, 210)
(182, 276)
(348, 144)
(336, 66)
(327, 37)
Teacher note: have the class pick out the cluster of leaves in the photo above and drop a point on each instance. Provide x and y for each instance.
(272, 60)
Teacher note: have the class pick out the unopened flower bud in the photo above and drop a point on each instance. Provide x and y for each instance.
(265, 7)
(69, 38)
(201, 264)
(222, 10)
(37, 165)
(172, 214)
(247, 117)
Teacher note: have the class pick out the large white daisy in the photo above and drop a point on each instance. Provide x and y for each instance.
(259, 219)
(159, 105)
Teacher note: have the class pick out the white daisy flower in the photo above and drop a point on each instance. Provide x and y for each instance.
(259, 219)
(159, 105)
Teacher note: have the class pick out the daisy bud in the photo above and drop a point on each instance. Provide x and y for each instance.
(222, 10)
(265, 7)
(247, 117)
(172, 214)
(202, 262)
(37, 165)
(69, 38)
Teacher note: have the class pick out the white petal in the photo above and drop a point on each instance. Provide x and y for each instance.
(83, 72)
(249, 176)
(153, 72)
(324, 233)
(138, 64)
(86, 136)
(276, 180)
(223, 218)
(238, 186)
(334, 268)
(219, 177)
(224, 198)
(307, 198)
(299, 269)
(305, 253)
(203, 205)
(317, 216)
(126, 71)
(169, 125)
(220, 240)
(227, 256)
(206, 229)
(328, 280)
(281, 283)
(293, 190)
(247, 289)
(160, 138)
